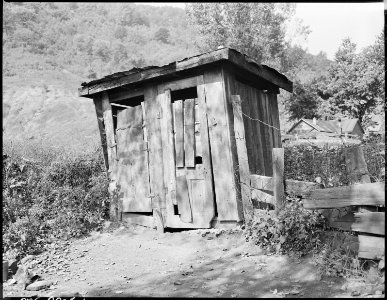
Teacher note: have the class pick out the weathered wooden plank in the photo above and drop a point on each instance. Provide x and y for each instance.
(198, 143)
(261, 196)
(159, 220)
(249, 127)
(99, 112)
(132, 151)
(229, 90)
(357, 170)
(156, 167)
(178, 115)
(294, 187)
(205, 150)
(371, 247)
(264, 138)
(261, 182)
(278, 178)
(189, 133)
(268, 118)
(370, 222)
(111, 152)
(139, 219)
(343, 223)
(219, 136)
(109, 129)
(168, 153)
(359, 194)
(183, 200)
(244, 171)
(264, 72)
(255, 114)
(275, 117)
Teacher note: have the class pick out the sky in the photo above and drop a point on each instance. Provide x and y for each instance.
(330, 23)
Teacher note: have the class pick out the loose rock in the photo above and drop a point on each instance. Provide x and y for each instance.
(39, 285)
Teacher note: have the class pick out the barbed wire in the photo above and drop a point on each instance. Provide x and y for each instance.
(261, 122)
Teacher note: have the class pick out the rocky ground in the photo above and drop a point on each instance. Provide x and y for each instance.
(138, 261)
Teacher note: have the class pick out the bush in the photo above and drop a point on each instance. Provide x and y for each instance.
(61, 197)
(308, 161)
(294, 231)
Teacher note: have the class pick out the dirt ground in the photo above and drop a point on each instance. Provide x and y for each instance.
(137, 261)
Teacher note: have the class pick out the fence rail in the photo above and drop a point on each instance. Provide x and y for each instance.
(368, 197)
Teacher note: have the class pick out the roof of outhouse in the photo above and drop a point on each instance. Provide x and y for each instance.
(152, 72)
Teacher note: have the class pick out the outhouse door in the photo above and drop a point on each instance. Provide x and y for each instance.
(132, 166)
(188, 175)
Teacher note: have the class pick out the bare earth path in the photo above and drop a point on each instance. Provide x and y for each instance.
(138, 261)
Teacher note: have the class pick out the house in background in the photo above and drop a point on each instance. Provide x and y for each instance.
(326, 128)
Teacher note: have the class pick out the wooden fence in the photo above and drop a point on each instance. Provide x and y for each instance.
(365, 197)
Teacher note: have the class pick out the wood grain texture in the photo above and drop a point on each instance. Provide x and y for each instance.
(183, 199)
(244, 171)
(370, 222)
(205, 151)
(275, 117)
(371, 247)
(178, 116)
(256, 70)
(221, 156)
(156, 167)
(292, 187)
(189, 133)
(168, 153)
(109, 129)
(133, 175)
(360, 194)
(278, 178)
(99, 113)
(139, 219)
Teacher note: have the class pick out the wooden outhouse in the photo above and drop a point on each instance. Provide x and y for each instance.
(181, 140)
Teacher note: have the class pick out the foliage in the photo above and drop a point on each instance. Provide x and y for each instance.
(338, 256)
(255, 29)
(294, 230)
(309, 161)
(354, 86)
(304, 101)
(56, 197)
(89, 38)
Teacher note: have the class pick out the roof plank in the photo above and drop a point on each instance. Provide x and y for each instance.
(143, 74)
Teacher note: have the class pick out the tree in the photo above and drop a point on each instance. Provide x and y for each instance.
(304, 101)
(355, 82)
(162, 35)
(255, 29)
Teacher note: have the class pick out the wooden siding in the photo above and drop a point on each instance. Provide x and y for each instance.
(260, 138)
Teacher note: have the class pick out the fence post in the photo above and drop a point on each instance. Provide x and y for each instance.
(278, 178)
(358, 171)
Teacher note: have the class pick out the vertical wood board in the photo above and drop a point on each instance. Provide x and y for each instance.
(178, 115)
(156, 167)
(189, 132)
(183, 200)
(219, 136)
(168, 153)
(244, 171)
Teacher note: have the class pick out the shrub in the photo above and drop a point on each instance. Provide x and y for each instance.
(62, 196)
(294, 230)
(308, 161)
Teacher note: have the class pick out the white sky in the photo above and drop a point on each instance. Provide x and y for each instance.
(330, 23)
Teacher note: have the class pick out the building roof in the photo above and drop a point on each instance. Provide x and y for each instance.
(330, 126)
(134, 75)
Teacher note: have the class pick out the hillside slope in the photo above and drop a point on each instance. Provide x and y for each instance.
(47, 108)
